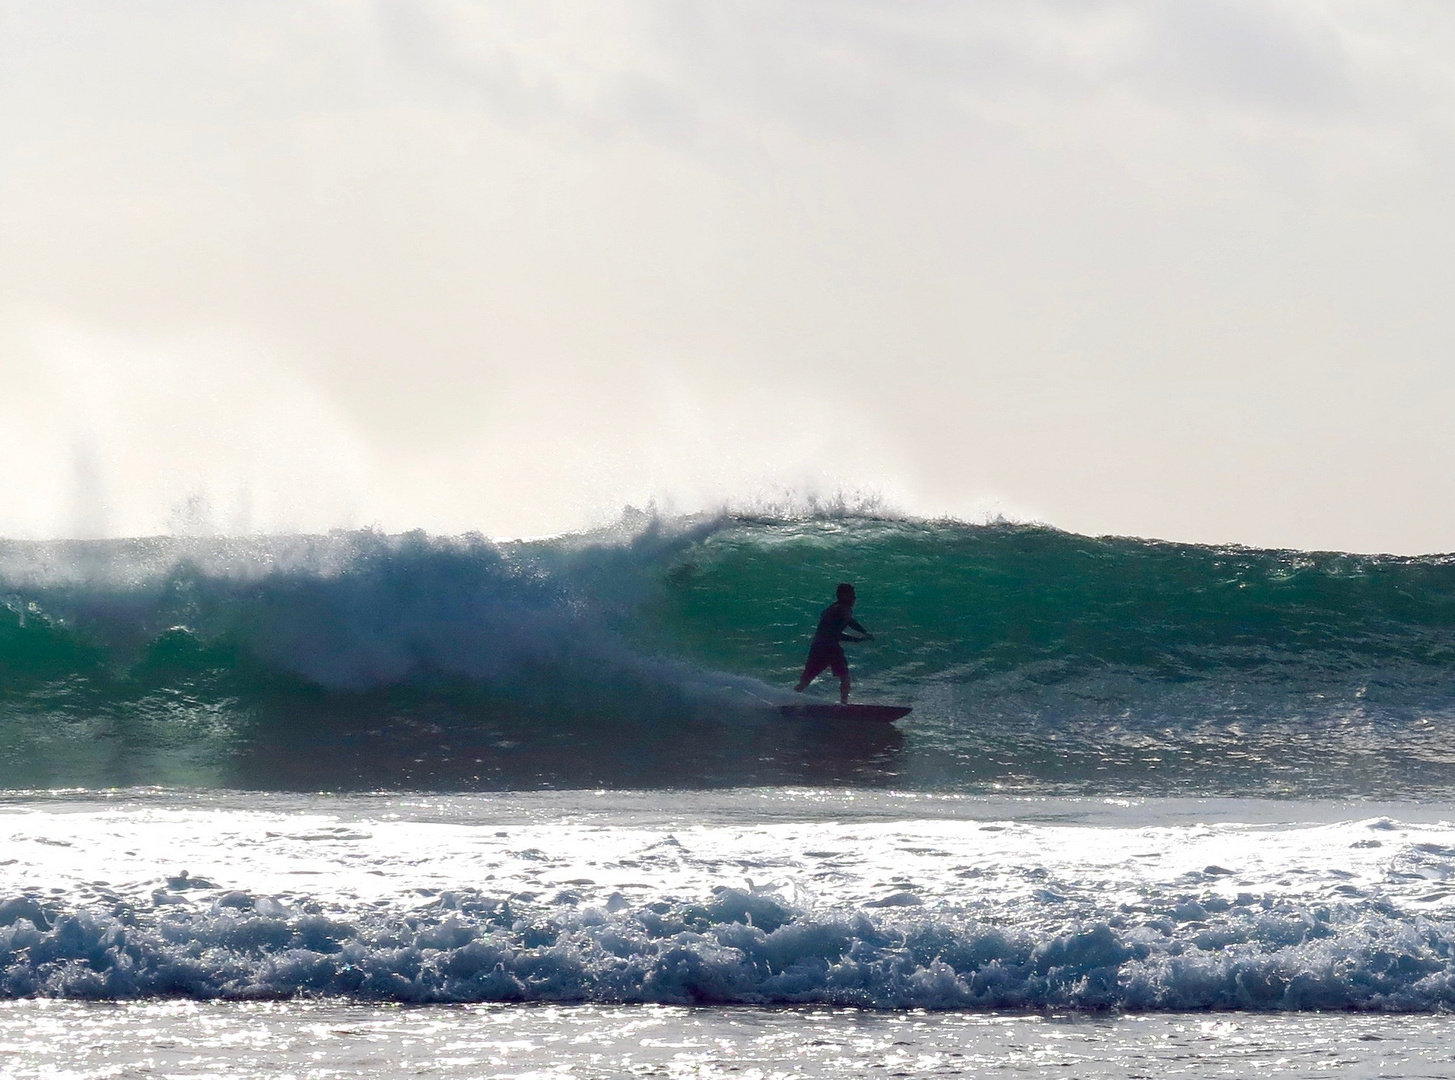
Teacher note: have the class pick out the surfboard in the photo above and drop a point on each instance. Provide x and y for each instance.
(879, 714)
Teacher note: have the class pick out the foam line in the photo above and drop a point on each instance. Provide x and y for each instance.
(738, 948)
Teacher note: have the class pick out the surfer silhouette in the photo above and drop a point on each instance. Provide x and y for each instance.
(827, 650)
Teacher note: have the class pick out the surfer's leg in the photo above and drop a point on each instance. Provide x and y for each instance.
(812, 670)
(840, 664)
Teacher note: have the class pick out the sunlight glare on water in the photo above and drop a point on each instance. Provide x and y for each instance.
(174, 1040)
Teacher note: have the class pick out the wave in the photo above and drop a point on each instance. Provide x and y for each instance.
(740, 947)
(645, 656)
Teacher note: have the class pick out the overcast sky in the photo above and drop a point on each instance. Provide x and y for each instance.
(1179, 269)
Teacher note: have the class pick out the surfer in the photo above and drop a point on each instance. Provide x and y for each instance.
(827, 650)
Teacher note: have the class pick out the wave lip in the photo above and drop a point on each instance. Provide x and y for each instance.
(741, 947)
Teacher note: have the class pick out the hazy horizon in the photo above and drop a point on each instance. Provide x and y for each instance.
(1119, 267)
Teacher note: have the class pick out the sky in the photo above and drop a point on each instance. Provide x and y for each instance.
(1168, 269)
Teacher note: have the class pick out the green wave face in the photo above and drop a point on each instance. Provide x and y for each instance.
(1036, 661)
(962, 603)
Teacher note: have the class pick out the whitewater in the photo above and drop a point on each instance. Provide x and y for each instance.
(1159, 807)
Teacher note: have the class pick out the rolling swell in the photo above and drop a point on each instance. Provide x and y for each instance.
(1036, 660)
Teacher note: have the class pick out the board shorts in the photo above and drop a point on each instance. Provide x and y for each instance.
(829, 656)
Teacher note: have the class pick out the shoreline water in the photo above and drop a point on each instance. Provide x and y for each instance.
(316, 1040)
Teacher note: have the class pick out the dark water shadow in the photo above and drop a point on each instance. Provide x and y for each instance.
(388, 739)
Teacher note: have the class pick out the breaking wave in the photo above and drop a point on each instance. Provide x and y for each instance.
(740, 947)
(644, 656)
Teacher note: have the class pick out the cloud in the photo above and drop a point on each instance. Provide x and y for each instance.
(867, 68)
(1267, 57)
(476, 265)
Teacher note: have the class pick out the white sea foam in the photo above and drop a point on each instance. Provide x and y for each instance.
(746, 897)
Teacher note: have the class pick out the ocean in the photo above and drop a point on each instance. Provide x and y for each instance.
(363, 804)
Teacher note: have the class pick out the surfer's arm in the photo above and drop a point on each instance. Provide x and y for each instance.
(865, 635)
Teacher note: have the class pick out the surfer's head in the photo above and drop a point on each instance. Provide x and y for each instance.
(844, 593)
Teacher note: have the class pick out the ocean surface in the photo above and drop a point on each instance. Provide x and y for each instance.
(362, 804)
